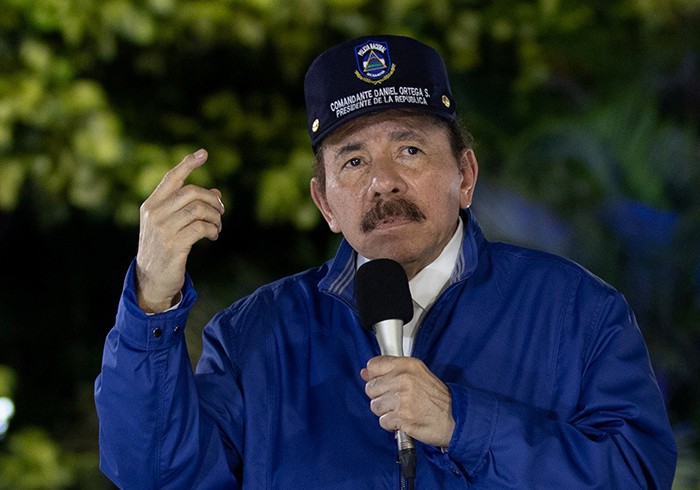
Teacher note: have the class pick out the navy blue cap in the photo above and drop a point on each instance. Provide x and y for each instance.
(372, 74)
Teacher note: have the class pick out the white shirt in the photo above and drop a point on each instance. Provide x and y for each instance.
(427, 285)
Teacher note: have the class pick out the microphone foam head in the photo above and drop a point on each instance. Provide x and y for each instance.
(382, 293)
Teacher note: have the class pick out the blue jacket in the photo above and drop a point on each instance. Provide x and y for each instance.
(550, 379)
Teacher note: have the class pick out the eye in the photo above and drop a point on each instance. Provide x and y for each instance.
(412, 150)
(353, 162)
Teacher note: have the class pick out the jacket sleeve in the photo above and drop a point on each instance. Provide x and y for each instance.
(617, 435)
(154, 430)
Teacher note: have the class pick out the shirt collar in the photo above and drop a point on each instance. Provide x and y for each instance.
(431, 280)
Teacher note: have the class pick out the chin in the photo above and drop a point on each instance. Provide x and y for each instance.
(400, 256)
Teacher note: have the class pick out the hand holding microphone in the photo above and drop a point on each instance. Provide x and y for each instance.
(406, 396)
(385, 305)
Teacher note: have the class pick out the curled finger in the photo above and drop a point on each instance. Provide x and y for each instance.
(389, 422)
(197, 230)
(382, 405)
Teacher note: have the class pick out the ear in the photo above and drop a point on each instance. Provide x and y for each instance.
(469, 169)
(321, 202)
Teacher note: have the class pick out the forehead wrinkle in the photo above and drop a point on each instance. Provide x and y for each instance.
(410, 131)
(406, 134)
(396, 135)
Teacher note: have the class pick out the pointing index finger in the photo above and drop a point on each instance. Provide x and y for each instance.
(176, 176)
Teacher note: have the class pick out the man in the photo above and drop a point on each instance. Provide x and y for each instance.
(526, 370)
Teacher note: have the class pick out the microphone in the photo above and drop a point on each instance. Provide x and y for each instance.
(385, 305)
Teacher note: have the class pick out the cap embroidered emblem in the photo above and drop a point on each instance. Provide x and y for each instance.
(374, 62)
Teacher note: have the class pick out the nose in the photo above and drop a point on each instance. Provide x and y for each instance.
(386, 179)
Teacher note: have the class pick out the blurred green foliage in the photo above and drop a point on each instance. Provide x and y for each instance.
(33, 461)
(572, 104)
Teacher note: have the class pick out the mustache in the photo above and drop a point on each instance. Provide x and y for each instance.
(394, 208)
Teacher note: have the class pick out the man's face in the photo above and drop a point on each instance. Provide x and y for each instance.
(394, 187)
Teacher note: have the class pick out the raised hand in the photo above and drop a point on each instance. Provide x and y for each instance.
(173, 218)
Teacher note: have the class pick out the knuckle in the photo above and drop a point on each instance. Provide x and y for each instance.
(170, 175)
(372, 388)
(375, 363)
(403, 413)
(404, 379)
(207, 230)
(183, 193)
(196, 210)
(145, 209)
(411, 364)
(200, 228)
(190, 210)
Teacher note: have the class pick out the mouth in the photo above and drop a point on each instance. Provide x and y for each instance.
(390, 214)
(392, 222)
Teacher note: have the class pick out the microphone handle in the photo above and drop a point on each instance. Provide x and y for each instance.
(389, 335)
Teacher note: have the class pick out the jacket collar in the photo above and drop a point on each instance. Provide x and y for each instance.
(339, 281)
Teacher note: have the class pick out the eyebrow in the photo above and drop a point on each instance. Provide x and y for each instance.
(398, 135)
(349, 148)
